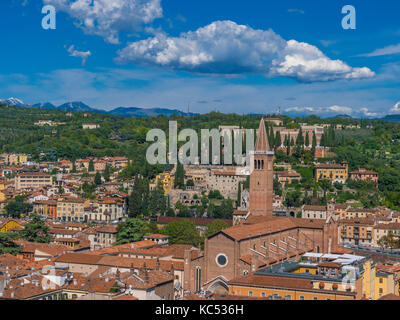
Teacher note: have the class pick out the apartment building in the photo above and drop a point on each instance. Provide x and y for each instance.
(383, 229)
(357, 231)
(106, 236)
(71, 209)
(32, 180)
(315, 277)
(105, 210)
(46, 208)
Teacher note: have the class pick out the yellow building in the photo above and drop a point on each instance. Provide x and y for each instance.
(2, 197)
(332, 172)
(14, 159)
(71, 209)
(166, 180)
(9, 225)
(385, 284)
(320, 280)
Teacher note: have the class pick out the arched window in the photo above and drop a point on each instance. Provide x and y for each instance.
(262, 164)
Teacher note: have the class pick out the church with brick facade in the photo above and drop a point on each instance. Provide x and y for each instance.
(261, 240)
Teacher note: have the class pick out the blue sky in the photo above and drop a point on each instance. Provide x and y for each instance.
(232, 56)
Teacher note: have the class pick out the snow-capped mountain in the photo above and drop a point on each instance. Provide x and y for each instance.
(78, 106)
(15, 102)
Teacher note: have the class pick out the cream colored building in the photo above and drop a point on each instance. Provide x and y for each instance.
(71, 209)
(32, 180)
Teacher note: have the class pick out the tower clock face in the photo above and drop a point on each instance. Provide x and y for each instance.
(222, 260)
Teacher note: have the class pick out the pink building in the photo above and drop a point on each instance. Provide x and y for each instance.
(363, 174)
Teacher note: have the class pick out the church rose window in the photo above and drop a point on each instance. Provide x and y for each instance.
(222, 260)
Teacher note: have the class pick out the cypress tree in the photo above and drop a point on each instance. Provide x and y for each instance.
(314, 144)
(307, 142)
(278, 140)
(91, 166)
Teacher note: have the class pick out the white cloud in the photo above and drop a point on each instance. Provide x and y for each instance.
(367, 113)
(300, 109)
(340, 109)
(307, 63)
(84, 55)
(389, 50)
(106, 18)
(334, 110)
(395, 109)
(227, 48)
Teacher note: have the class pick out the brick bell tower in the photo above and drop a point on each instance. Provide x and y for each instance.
(261, 177)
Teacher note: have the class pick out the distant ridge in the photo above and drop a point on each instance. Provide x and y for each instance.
(78, 106)
(392, 118)
(342, 116)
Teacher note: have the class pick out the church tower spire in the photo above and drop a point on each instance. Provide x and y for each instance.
(261, 177)
(262, 139)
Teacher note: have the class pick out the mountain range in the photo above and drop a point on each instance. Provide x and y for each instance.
(78, 106)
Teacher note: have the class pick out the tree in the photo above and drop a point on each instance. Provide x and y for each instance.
(179, 181)
(278, 139)
(170, 212)
(182, 232)
(215, 194)
(91, 166)
(190, 183)
(300, 138)
(277, 187)
(239, 195)
(17, 207)
(293, 199)
(73, 167)
(183, 212)
(325, 185)
(314, 144)
(135, 203)
(215, 227)
(106, 174)
(139, 198)
(287, 145)
(307, 142)
(152, 228)
(97, 179)
(36, 230)
(157, 201)
(7, 244)
(131, 230)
